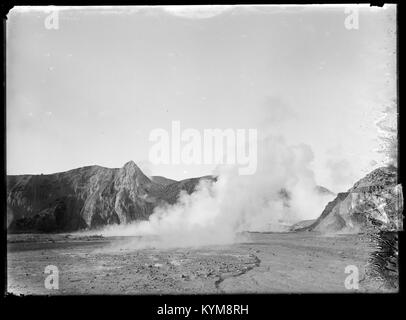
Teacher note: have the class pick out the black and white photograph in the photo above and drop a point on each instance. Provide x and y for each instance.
(202, 150)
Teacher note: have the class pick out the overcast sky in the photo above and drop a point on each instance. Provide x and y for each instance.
(91, 91)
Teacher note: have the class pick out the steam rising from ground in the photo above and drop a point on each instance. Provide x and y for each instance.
(280, 193)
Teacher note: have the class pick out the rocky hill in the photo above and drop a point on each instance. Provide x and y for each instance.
(88, 197)
(373, 206)
(374, 201)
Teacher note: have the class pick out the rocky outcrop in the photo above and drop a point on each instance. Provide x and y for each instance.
(375, 201)
(88, 197)
(373, 206)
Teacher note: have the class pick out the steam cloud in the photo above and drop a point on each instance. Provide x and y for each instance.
(280, 193)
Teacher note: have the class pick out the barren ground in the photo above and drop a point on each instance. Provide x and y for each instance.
(266, 263)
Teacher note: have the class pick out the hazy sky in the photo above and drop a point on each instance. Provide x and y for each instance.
(91, 91)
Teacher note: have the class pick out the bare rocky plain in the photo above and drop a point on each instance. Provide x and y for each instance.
(46, 213)
(291, 262)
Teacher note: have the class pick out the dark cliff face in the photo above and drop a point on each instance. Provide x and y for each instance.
(88, 197)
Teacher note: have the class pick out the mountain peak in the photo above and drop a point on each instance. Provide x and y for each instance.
(131, 164)
(130, 169)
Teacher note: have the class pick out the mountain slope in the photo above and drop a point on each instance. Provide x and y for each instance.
(374, 206)
(375, 200)
(88, 197)
(162, 180)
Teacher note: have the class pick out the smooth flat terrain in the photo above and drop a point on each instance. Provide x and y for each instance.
(265, 263)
